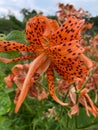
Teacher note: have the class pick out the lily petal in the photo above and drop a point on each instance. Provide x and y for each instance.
(32, 70)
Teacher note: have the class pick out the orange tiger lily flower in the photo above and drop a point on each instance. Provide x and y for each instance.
(18, 76)
(83, 99)
(55, 48)
(68, 10)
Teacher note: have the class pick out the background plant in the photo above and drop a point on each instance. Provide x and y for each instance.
(34, 114)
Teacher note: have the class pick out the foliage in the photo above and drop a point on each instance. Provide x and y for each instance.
(28, 14)
(34, 114)
(6, 25)
(16, 36)
(19, 25)
(95, 20)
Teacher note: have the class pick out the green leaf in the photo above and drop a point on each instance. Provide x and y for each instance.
(2, 36)
(17, 36)
(5, 123)
(84, 122)
(5, 103)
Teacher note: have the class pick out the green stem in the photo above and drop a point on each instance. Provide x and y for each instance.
(88, 126)
(28, 108)
(88, 78)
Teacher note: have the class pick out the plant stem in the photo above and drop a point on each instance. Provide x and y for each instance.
(88, 78)
(28, 108)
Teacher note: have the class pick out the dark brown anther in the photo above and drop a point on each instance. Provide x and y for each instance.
(36, 76)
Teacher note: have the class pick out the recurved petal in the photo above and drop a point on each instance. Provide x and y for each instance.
(69, 31)
(30, 75)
